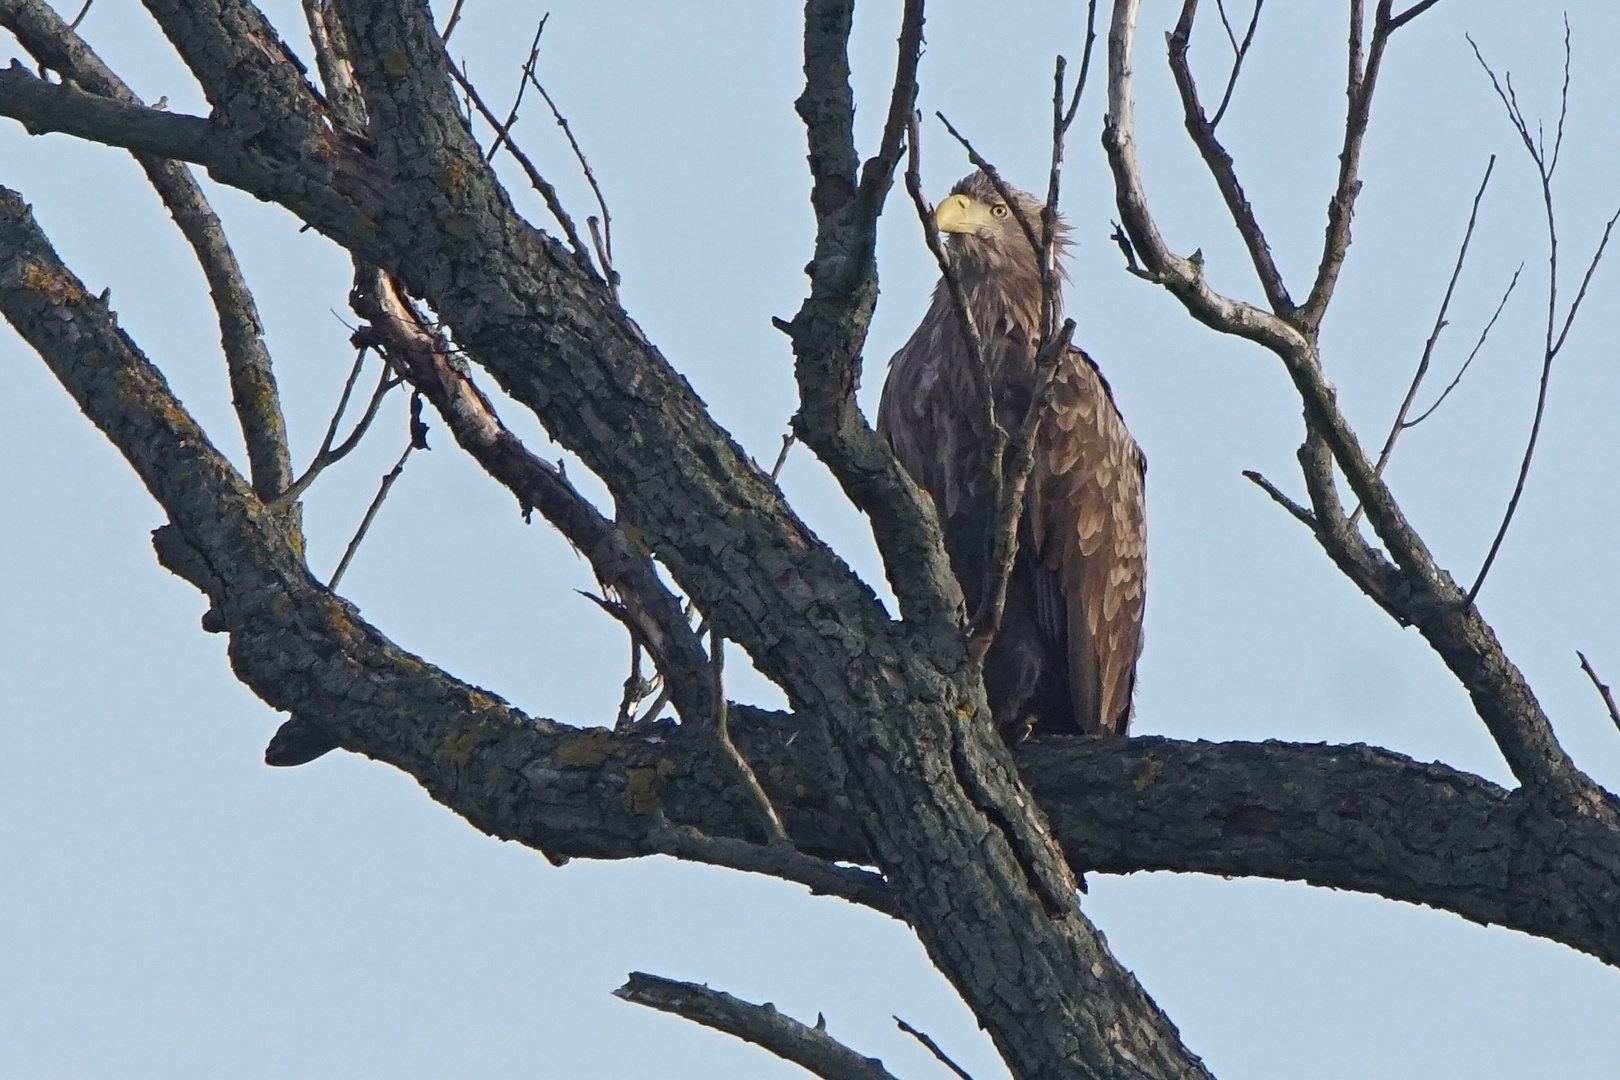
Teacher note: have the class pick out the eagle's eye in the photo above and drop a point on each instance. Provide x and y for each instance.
(999, 210)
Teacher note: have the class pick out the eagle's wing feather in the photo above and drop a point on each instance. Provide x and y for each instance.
(1085, 505)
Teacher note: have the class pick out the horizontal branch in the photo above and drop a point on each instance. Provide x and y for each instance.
(1346, 817)
(44, 107)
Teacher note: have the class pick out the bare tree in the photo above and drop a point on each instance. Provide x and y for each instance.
(886, 784)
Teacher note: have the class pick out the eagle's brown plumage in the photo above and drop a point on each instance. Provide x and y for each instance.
(1065, 658)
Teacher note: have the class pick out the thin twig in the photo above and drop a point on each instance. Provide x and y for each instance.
(604, 242)
(1411, 13)
(1052, 348)
(79, 18)
(775, 834)
(1556, 335)
(371, 513)
(1434, 336)
(997, 443)
(986, 621)
(1220, 164)
(1478, 345)
(329, 455)
(784, 861)
(450, 24)
(1602, 688)
(1241, 52)
(523, 84)
(1003, 190)
(933, 1048)
(540, 184)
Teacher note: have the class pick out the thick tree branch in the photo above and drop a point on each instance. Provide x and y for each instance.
(1348, 817)
(253, 386)
(811, 1048)
(44, 107)
(417, 200)
(829, 330)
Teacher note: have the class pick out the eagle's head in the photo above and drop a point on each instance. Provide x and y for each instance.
(984, 231)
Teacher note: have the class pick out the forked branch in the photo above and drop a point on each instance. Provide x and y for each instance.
(1557, 331)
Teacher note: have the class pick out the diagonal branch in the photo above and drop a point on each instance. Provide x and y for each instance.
(1240, 52)
(425, 358)
(1400, 423)
(1546, 165)
(1219, 161)
(547, 191)
(1347, 817)
(933, 1048)
(811, 1048)
(1602, 688)
(254, 394)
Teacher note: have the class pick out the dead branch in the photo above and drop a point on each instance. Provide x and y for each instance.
(538, 182)
(1415, 589)
(1434, 335)
(775, 834)
(331, 45)
(933, 1048)
(1546, 166)
(1479, 344)
(781, 458)
(1219, 161)
(784, 861)
(328, 454)
(1602, 688)
(811, 1048)
(986, 621)
(997, 442)
(830, 327)
(1360, 84)
(603, 239)
(503, 136)
(1302, 515)
(371, 514)
(254, 394)
(450, 23)
(1240, 52)
(651, 613)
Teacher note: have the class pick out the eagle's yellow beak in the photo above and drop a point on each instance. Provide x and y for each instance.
(960, 214)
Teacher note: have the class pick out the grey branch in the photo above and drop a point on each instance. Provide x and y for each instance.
(44, 107)
(254, 394)
(811, 1048)
(1602, 688)
(933, 1048)
(1400, 423)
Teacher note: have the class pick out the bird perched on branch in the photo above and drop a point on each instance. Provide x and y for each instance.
(1063, 660)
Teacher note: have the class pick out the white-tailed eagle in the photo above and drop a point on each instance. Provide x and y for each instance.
(1064, 661)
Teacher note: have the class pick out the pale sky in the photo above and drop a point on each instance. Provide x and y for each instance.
(172, 908)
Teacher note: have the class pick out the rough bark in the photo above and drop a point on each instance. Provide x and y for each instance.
(888, 758)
